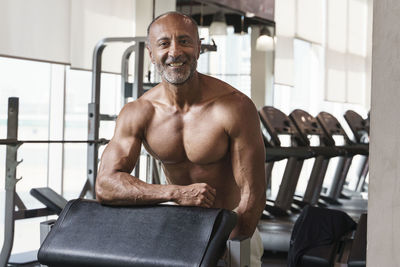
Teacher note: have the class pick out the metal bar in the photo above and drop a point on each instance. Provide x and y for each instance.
(137, 90)
(96, 64)
(92, 149)
(340, 177)
(107, 117)
(268, 176)
(94, 109)
(288, 185)
(343, 176)
(45, 228)
(314, 185)
(318, 189)
(156, 172)
(238, 252)
(125, 74)
(20, 142)
(32, 213)
(11, 181)
(362, 174)
(19, 203)
(149, 169)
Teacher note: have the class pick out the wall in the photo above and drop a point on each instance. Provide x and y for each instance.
(262, 69)
(384, 188)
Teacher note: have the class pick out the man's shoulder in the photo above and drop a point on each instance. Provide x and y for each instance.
(228, 97)
(136, 113)
(141, 105)
(225, 94)
(230, 105)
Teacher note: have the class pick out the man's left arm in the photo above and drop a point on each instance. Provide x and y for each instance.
(248, 159)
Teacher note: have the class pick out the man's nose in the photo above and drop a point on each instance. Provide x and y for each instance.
(174, 49)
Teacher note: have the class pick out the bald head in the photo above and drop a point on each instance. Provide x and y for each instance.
(177, 15)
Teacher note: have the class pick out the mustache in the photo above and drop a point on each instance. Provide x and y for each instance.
(178, 59)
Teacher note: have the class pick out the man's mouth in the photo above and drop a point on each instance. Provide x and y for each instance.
(175, 64)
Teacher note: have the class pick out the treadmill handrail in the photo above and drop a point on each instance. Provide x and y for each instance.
(280, 153)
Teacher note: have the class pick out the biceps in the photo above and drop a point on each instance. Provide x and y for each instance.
(248, 158)
(120, 155)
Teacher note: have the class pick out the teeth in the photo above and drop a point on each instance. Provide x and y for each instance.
(176, 64)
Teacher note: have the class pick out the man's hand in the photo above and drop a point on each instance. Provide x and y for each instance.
(200, 194)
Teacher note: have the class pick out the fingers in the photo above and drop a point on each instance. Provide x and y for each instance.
(207, 196)
(200, 194)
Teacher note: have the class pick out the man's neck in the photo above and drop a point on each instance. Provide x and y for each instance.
(183, 96)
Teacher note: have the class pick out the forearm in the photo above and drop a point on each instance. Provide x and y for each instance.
(249, 212)
(121, 188)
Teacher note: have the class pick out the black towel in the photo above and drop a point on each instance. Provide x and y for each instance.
(317, 227)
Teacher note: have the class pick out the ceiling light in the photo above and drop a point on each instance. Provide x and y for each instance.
(265, 42)
(218, 26)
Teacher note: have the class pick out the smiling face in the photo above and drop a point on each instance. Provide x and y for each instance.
(174, 47)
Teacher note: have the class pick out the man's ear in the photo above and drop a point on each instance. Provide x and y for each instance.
(198, 49)
(150, 53)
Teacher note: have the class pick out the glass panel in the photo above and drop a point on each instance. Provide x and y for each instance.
(30, 81)
(77, 97)
(231, 62)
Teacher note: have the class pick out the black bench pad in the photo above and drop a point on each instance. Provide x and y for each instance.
(90, 234)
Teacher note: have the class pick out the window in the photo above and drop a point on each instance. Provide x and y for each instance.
(231, 63)
(53, 104)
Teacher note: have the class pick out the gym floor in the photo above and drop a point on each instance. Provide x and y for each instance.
(274, 259)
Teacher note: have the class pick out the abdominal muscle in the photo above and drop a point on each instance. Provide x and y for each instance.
(217, 175)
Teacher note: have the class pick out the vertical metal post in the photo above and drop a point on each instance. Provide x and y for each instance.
(94, 122)
(11, 180)
(94, 106)
(340, 177)
(268, 175)
(138, 77)
(126, 86)
(314, 185)
(92, 148)
(362, 174)
(45, 228)
(137, 89)
(238, 252)
(288, 185)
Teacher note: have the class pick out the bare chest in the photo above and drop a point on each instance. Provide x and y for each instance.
(199, 138)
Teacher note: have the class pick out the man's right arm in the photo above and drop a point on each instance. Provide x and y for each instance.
(115, 185)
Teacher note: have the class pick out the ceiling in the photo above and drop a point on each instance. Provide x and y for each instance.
(203, 12)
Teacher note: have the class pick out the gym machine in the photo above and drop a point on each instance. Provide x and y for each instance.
(360, 130)
(15, 209)
(276, 231)
(325, 126)
(276, 124)
(332, 127)
(90, 234)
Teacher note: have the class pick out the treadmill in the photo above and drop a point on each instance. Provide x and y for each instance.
(325, 126)
(360, 130)
(333, 128)
(308, 126)
(275, 231)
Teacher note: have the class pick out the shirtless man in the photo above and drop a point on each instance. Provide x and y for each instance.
(205, 132)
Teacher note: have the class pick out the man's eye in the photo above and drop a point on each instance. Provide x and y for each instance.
(163, 43)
